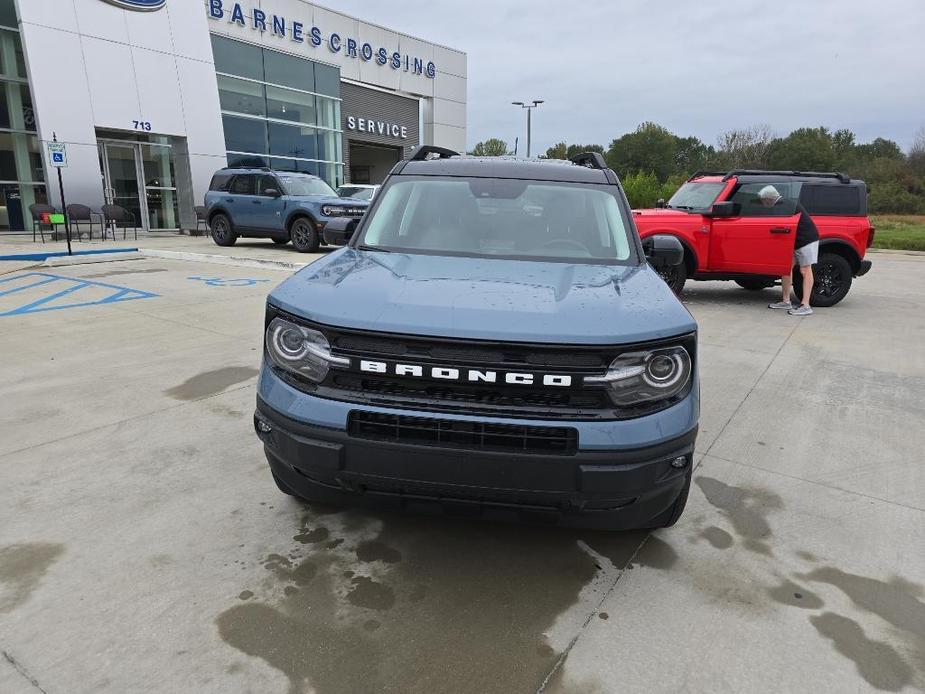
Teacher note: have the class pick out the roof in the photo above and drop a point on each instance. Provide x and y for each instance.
(764, 176)
(504, 167)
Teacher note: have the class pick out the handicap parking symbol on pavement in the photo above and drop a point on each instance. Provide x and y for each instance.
(33, 292)
(222, 282)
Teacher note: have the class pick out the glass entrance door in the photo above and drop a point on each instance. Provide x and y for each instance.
(139, 176)
(120, 177)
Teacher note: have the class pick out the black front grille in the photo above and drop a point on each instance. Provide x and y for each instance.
(449, 433)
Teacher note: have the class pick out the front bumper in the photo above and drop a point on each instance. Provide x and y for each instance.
(863, 268)
(607, 488)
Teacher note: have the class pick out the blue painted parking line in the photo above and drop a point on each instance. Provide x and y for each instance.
(222, 282)
(60, 287)
(57, 254)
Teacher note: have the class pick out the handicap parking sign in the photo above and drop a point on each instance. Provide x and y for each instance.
(57, 154)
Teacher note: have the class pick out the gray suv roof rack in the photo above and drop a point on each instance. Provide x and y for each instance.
(424, 151)
(592, 160)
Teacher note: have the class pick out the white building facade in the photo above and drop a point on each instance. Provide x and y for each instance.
(151, 97)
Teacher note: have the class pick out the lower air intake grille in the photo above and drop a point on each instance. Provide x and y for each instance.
(451, 433)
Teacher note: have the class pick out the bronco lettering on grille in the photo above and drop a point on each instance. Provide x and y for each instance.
(444, 373)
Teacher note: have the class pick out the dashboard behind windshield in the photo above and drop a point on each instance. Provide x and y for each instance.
(493, 217)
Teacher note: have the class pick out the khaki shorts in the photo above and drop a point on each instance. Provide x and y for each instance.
(807, 255)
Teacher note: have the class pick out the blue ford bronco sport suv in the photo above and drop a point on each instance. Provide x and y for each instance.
(492, 340)
(274, 204)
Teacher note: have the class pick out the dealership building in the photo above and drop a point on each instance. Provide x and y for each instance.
(151, 97)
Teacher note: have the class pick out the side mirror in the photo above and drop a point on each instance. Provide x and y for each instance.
(338, 231)
(663, 250)
(725, 209)
(272, 192)
(660, 203)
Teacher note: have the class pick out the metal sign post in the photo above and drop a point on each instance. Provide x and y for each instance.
(57, 157)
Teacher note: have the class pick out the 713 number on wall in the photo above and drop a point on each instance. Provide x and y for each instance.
(142, 124)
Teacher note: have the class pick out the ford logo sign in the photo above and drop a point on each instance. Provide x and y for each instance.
(139, 5)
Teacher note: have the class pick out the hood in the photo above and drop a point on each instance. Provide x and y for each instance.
(489, 299)
(661, 213)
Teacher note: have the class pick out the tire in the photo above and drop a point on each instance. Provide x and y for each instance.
(222, 232)
(674, 275)
(671, 515)
(754, 285)
(280, 242)
(282, 486)
(832, 276)
(304, 235)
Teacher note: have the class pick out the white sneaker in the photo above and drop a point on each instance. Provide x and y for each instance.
(781, 304)
(801, 311)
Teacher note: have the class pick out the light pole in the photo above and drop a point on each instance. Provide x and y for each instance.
(529, 107)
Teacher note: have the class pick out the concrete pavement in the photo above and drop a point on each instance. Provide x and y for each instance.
(144, 548)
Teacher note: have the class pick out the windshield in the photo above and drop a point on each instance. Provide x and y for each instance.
(695, 196)
(357, 193)
(489, 217)
(306, 185)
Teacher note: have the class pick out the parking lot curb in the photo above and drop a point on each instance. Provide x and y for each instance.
(62, 261)
(237, 261)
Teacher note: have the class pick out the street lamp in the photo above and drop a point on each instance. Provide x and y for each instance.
(529, 107)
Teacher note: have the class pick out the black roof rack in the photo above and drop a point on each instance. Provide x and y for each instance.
(807, 174)
(698, 174)
(424, 151)
(592, 160)
(252, 168)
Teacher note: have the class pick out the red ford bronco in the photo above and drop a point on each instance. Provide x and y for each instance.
(728, 234)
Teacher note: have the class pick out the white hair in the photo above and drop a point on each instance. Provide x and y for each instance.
(769, 193)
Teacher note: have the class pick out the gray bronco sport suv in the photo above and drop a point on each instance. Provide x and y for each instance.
(278, 205)
(491, 340)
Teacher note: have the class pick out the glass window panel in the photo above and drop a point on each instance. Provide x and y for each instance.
(286, 104)
(8, 13)
(162, 209)
(245, 134)
(14, 205)
(288, 70)
(293, 141)
(237, 58)
(12, 62)
(278, 164)
(247, 160)
(241, 96)
(16, 106)
(329, 113)
(329, 145)
(158, 167)
(309, 167)
(20, 158)
(327, 80)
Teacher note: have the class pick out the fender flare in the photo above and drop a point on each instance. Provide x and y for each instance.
(295, 214)
(842, 248)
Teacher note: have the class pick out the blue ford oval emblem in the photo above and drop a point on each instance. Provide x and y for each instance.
(140, 5)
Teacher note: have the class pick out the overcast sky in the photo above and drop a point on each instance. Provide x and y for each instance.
(696, 67)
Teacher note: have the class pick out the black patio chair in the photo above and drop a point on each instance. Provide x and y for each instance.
(201, 218)
(37, 210)
(117, 214)
(81, 213)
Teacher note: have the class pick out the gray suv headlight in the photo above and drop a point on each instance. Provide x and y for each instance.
(301, 350)
(645, 376)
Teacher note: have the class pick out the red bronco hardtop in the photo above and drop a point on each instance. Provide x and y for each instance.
(728, 234)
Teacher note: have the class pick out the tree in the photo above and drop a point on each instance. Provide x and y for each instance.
(493, 147)
(581, 149)
(557, 151)
(916, 155)
(650, 148)
(805, 149)
(743, 149)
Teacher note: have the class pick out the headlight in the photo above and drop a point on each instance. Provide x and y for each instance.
(301, 350)
(646, 376)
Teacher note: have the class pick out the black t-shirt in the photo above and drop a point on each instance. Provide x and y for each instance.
(806, 229)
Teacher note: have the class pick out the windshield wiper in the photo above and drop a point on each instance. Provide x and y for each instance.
(377, 249)
(680, 207)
